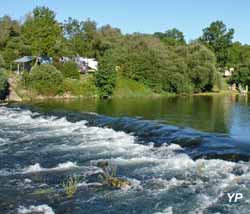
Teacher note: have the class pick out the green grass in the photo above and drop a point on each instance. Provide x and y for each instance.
(85, 87)
(130, 88)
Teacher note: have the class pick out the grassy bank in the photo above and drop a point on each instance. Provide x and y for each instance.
(85, 88)
(82, 88)
(129, 88)
(71, 89)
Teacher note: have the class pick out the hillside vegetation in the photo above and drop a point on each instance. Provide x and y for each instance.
(129, 64)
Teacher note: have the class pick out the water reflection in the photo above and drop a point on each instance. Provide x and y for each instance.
(220, 113)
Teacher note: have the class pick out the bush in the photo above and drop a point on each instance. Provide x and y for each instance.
(2, 62)
(45, 80)
(85, 88)
(4, 87)
(106, 76)
(177, 83)
(202, 71)
(70, 70)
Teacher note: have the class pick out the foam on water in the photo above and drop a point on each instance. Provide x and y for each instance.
(168, 210)
(61, 166)
(41, 209)
(155, 170)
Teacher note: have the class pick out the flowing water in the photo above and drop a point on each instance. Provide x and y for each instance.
(180, 155)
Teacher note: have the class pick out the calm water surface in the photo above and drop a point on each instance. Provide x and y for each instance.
(228, 114)
(180, 155)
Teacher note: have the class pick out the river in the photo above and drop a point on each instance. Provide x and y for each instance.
(179, 154)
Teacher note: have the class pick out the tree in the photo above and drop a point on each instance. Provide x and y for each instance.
(201, 67)
(8, 28)
(105, 78)
(106, 38)
(238, 54)
(171, 37)
(81, 36)
(42, 31)
(218, 38)
(89, 28)
(15, 48)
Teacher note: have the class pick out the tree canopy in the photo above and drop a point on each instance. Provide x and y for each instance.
(41, 31)
(219, 39)
(162, 61)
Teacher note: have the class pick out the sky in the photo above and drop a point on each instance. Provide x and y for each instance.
(145, 16)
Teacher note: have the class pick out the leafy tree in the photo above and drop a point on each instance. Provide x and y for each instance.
(171, 37)
(106, 38)
(105, 78)
(218, 38)
(89, 28)
(42, 31)
(70, 70)
(238, 54)
(201, 64)
(74, 36)
(15, 48)
(71, 27)
(8, 28)
(81, 36)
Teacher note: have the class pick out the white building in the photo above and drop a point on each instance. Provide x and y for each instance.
(228, 72)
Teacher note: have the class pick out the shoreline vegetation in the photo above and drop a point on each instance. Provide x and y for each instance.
(125, 88)
(129, 65)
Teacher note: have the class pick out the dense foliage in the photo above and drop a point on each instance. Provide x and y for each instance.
(4, 87)
(41, 31)
(162, 61)
(2, 61)
(219, 39)
(106, 76)
(70, 70)
(241, 75)
(45, 79)
(146, 60)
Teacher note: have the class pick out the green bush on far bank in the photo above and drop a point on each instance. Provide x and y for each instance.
(45, 80)
(4, 86)
(70, 70)
(83, 87)
(130, 88)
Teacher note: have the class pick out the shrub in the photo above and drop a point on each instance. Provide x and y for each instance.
(70, 70)
(4, 87)
(2, 62)
(106, 76)
(177, 83)
(80, 87)
(45, 79)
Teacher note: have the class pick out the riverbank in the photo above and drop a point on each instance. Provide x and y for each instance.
(81, 89)
(85, 89)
